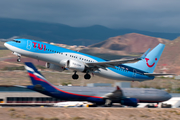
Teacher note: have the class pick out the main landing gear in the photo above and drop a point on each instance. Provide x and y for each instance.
(86, 76)
(75, 76)
(108, 103)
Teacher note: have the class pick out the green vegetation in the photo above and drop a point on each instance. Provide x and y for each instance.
(40, 67)
(42, 118)
(14, 68)
(12, 109)
(66, 83)
(78, 118)
(4, 53)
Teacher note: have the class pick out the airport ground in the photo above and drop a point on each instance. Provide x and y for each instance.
(51, 113)
(19, 77)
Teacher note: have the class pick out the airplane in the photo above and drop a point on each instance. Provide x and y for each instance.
(73, 104)
(60, 59)
(98, 95)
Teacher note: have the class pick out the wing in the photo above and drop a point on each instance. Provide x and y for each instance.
(113, 63)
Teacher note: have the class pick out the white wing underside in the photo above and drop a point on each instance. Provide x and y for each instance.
(157, 74)
(111, 63)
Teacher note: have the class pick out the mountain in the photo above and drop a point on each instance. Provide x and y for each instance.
(134, 44)
(170, 59)
(60, 33)
(131, 43)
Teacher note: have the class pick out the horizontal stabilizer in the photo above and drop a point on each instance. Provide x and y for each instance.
(20, 86)
(157, 74)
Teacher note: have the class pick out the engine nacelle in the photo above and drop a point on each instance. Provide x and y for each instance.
(129, 102)
(75, 65)
(54, 67)
(64, 63)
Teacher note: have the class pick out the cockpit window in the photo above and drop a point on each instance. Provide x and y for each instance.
(17, 41)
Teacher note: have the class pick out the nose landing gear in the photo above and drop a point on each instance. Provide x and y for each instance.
(19, 59)
(19, 56)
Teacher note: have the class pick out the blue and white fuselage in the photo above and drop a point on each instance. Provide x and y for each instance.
(59, 58)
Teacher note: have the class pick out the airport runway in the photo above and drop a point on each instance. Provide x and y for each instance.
(51, 113)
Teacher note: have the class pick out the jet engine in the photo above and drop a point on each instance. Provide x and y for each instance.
(129, 102)
(54, 67)
(75, 65)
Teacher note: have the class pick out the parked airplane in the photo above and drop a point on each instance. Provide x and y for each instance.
(59, 59)
(98, 95)
(72, 104)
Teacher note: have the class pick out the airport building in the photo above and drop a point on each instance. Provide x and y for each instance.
(16, 95)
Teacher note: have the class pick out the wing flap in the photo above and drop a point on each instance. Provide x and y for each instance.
(113, 63)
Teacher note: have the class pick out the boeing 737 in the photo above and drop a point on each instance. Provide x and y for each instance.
(97, 95)
(60, 59)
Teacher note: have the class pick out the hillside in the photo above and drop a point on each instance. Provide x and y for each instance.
(136, 44)
(60, 33)
(170, 58)
(130, 43)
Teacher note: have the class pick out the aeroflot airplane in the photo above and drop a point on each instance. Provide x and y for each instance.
(98, 95)
(60, 59)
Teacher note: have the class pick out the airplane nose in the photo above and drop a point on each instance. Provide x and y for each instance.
(5, 44)
(169, 97)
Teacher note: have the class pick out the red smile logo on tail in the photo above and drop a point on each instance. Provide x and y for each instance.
(147, 59)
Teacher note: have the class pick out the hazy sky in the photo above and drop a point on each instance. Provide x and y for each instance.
(151, 15)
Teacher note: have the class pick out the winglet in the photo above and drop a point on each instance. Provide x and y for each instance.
(144, 55)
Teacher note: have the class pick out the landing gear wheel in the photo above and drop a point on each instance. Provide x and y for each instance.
(87, 76)
(75, 76)
(108, 103)
(19, 59)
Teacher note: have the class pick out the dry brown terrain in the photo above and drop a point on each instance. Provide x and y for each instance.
(89, 114)
(130, 43)
(57, 78)
(133, 44)
(171, 57)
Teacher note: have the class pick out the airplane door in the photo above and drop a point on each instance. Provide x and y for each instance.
(29, 44)
(134, 73)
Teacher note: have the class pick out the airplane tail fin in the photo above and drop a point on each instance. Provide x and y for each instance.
(36, 77)
(149, 60)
